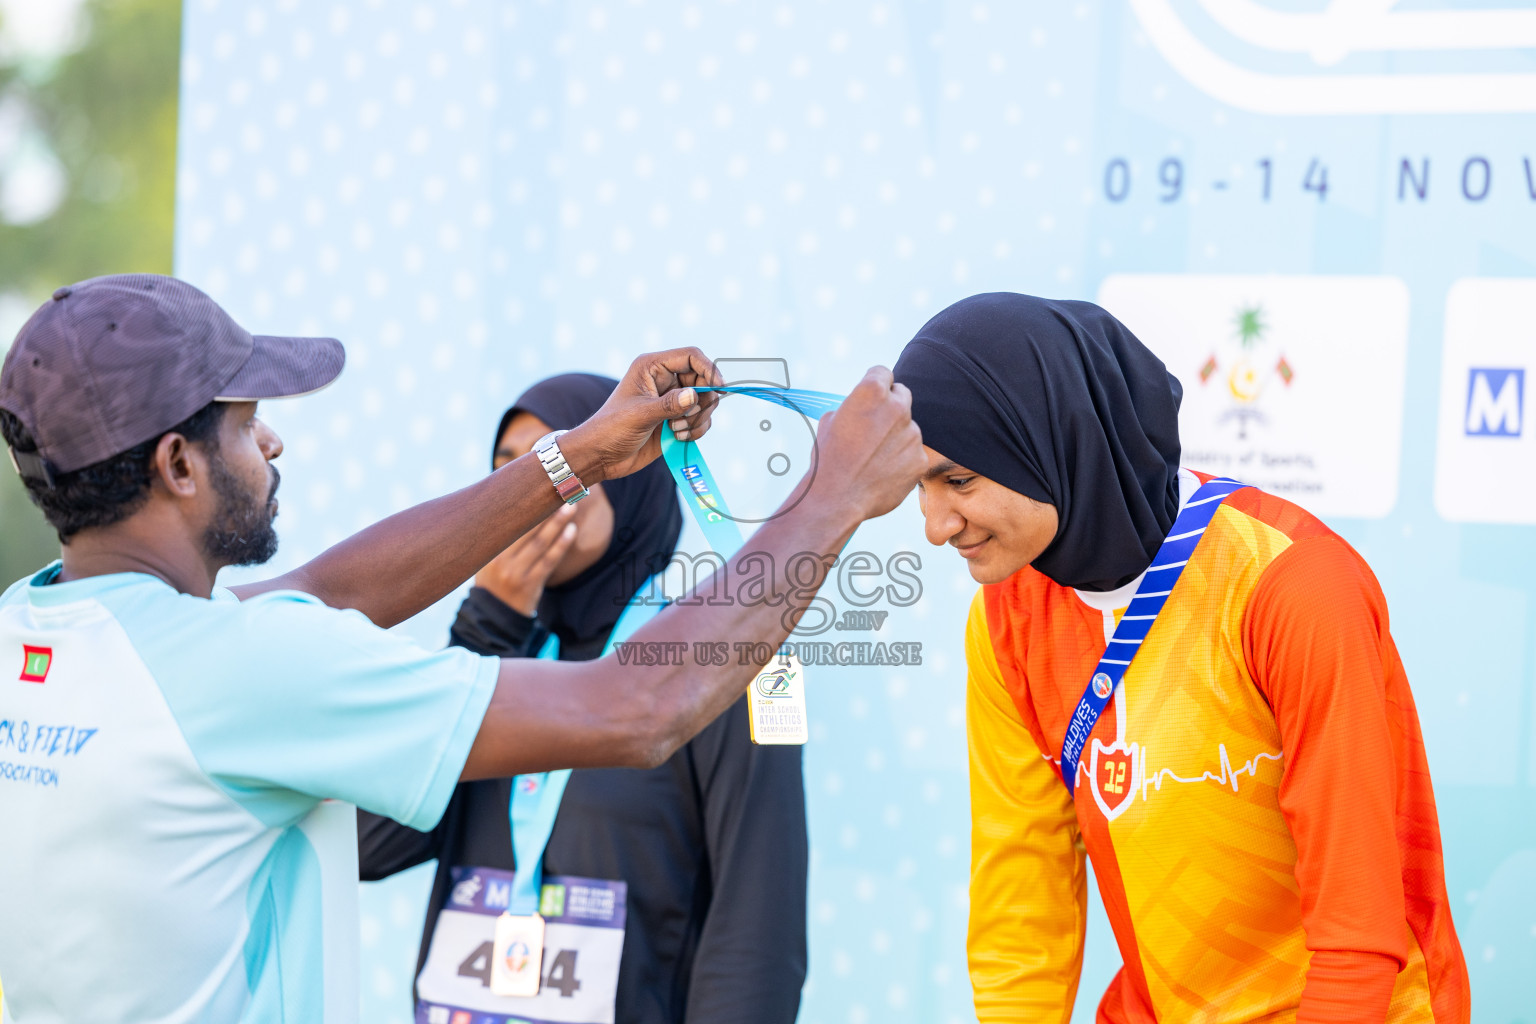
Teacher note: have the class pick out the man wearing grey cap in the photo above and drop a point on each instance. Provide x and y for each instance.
(178, 761)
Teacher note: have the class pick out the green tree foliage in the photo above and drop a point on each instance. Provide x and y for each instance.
(108, 110)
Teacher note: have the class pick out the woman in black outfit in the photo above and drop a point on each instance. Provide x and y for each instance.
(712, 844)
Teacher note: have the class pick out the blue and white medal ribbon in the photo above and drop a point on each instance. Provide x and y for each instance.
(1151, 595)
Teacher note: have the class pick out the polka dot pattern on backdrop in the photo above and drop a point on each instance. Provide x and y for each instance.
(474, 195)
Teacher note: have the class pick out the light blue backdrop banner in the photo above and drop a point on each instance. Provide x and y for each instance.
(1320, 214)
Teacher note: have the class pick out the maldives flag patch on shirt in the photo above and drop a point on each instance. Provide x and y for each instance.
(35, 663)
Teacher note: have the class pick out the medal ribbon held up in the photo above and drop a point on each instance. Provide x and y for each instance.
(776, 696)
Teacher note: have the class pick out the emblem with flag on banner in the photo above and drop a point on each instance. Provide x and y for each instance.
(1283, 368)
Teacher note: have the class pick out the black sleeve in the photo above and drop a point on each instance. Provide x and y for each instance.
(385, 846)
(484, 625)
(751, 961)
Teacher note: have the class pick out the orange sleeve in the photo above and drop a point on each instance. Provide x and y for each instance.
(1317, 643)
(1028, 879)
(1344, 987)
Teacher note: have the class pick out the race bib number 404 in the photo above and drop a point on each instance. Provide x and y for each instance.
(583, 941)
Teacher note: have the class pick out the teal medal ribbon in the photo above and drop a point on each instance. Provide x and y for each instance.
(808, 403)
(701, 494)
(535, 802)
(536, 798)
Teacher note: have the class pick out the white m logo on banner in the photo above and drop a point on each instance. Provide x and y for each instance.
(1494, 401)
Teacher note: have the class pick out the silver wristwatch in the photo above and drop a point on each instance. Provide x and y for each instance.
(567, 484)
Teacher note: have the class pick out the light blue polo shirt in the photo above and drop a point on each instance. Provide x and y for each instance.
(177, 781)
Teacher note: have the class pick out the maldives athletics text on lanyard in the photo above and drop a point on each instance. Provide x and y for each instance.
(777, 715)
(1133, 627)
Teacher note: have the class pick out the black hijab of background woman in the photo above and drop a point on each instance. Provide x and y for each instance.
(647, 521)
(1057, 401)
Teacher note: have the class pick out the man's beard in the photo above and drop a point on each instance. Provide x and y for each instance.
(241, 532)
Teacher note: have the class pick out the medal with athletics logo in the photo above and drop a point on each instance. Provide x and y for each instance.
(517, 955)
(777, 701)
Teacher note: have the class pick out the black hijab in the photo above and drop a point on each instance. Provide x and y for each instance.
(1059, 402)
(647, 520)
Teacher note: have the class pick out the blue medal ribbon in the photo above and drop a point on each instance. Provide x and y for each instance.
(536, 797)
(1151, 595)
(814, 404)
(532, 809)
(700, 492)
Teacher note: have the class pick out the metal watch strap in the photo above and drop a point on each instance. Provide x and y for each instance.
(567, 484)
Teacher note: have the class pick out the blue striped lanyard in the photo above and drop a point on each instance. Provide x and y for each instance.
(535, 801)
(1133, 627)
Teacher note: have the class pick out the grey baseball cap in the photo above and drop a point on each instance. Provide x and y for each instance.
(115, 361)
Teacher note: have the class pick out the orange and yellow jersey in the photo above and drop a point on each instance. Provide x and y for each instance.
(1255, 792)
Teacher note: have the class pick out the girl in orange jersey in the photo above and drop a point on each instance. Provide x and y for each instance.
(1255, 795)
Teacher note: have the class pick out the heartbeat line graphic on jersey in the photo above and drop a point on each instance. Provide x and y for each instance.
(1143, 779)
(1117, 772)
(1227, 776)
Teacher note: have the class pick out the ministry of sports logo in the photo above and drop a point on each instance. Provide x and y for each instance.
(1276, 370)
(1247, 372)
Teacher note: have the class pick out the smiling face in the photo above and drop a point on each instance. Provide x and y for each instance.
(997, 531)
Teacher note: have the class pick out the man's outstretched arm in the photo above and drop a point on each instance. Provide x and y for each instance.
(402, 564)
(548, 714)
